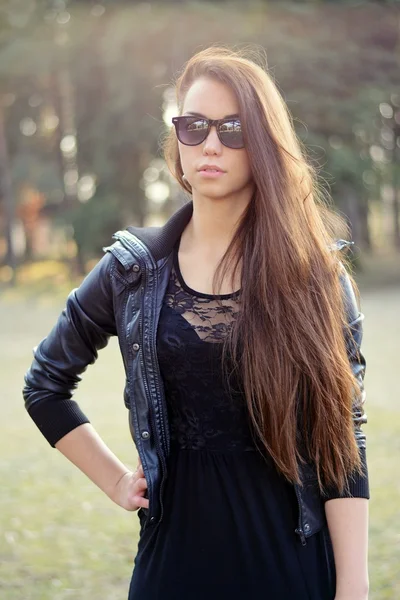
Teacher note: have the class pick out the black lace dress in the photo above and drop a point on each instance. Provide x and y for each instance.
(229, 517)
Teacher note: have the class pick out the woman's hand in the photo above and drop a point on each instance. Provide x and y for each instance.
(130, 489)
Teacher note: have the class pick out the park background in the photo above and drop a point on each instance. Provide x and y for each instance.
(85, 96)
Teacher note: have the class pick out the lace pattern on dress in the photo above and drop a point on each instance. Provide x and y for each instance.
(201, 311)
(206, 409)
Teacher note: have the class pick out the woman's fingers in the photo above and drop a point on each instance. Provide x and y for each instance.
(142, 502)
(141, 484)
(140, 489)
(139, 471)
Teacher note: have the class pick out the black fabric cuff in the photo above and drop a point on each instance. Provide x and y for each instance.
(358, 485)
(56, 418)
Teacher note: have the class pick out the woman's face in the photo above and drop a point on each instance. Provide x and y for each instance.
(214, 100)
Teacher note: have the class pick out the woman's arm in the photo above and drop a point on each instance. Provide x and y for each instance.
(347, 512)
(82, 329)
(348, 527)
(86, 450)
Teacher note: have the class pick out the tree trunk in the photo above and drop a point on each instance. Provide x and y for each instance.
(9, 208)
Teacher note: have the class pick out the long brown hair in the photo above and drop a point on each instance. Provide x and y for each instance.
(287, 341)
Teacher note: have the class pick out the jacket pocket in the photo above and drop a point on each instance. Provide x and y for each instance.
(313, 506)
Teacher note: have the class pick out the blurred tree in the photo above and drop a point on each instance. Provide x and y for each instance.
(94, 222)
(6, 195)
(334, 63)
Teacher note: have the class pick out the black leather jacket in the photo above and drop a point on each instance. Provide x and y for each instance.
(122, 296)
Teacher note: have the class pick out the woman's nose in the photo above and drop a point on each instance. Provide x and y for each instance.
(212, 142)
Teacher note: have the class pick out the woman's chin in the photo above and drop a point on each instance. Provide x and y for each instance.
(212, 189)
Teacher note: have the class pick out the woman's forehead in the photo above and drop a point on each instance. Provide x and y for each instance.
(210, 98)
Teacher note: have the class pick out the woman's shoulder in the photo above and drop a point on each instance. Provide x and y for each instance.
(125, 248)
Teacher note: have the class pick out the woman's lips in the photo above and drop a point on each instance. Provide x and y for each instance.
(210, 173)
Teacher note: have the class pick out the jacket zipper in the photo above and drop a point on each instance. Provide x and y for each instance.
(299, 529)
(163, 432)
(153, 421)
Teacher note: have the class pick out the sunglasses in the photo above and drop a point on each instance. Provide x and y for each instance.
(192, 131)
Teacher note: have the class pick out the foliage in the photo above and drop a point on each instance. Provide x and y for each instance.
(334, 62)
(94, 222)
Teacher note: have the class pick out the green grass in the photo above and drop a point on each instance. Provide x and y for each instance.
(384, 530)
(62, 538)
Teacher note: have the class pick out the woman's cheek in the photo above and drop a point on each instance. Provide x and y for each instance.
(188, 161)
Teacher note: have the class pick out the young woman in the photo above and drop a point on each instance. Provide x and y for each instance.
(240, 333)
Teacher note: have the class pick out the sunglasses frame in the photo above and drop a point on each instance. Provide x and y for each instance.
(210, 123)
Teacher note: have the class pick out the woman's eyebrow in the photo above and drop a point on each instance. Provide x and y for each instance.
(196, 114)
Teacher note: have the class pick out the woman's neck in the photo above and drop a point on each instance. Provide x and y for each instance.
(213, 224)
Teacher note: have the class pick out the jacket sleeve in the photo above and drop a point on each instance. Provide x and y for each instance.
(358, 484)
(83, 327)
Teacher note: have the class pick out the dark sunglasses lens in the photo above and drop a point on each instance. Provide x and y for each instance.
(192, 130)
(231, 134)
